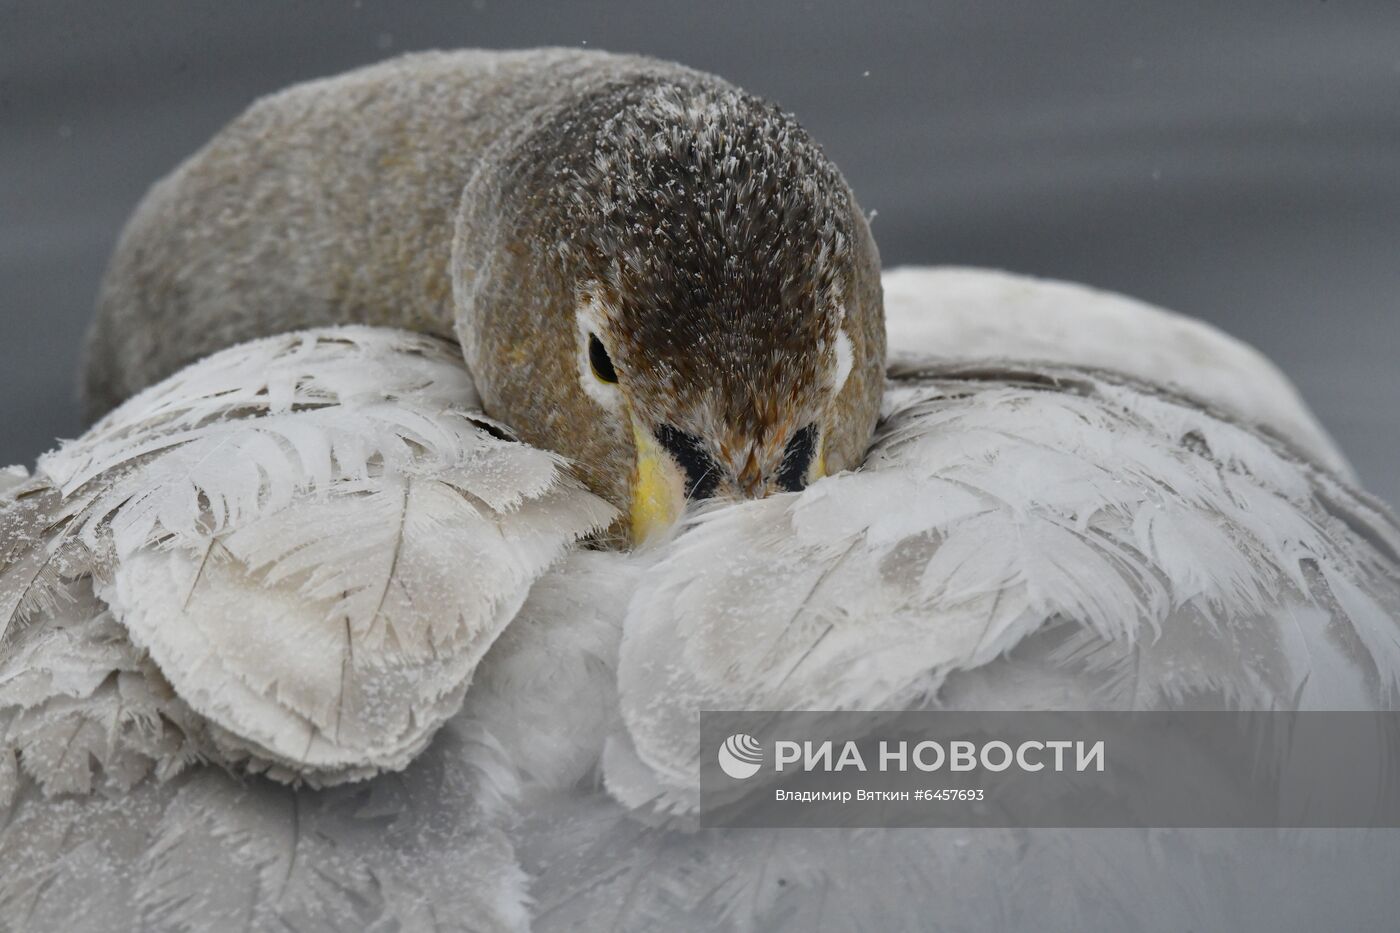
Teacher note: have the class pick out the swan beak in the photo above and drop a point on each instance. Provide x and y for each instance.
(658, 488)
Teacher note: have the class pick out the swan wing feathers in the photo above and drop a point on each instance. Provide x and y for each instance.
(207, 850)
(1021, 538)
(597, 868)
(1048, 534)
(1180, 552)
(953, 313)
(314, 538)
(82, 709)
(416, 849)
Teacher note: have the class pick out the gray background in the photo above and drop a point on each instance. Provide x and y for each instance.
(1237, 161)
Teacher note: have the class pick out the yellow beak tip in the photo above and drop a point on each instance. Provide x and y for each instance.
(658, 489)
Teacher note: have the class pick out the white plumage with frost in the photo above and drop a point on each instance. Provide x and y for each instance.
(293, 557)
(312, 537)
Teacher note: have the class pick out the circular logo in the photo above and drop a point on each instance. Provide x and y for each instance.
(740, 756)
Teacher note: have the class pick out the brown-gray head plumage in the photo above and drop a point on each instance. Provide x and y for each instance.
(708, 244)
(719, 233)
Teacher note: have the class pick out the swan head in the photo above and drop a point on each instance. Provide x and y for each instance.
(680, 294)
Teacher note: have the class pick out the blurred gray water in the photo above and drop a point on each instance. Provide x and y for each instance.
(1240, 162)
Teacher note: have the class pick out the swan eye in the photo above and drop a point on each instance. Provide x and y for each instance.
(797, 459)
(600, 361)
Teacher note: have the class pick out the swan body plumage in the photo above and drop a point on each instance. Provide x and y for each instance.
(300, 635)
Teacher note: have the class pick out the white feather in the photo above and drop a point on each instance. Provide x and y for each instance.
(206, 851)
(82, 709)
(993, 502)
(1123, 526)
(545, 697)
(312, 536)
(954, 313)
(599, 868)
(1029, 537)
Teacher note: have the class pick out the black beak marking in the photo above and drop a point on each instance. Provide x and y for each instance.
(797, 459)
(701, 471)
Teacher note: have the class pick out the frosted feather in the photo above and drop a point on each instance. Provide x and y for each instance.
(206, 851)
(951, 313)
(246, 429)
(1037, 535)
(599, 868)
(411, 850)
(1042, 539)
(82, 709)
(1034, 536)
(1187, 552)
(313, 537)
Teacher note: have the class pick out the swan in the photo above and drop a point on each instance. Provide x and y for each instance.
(313, 630)
(141, 699)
